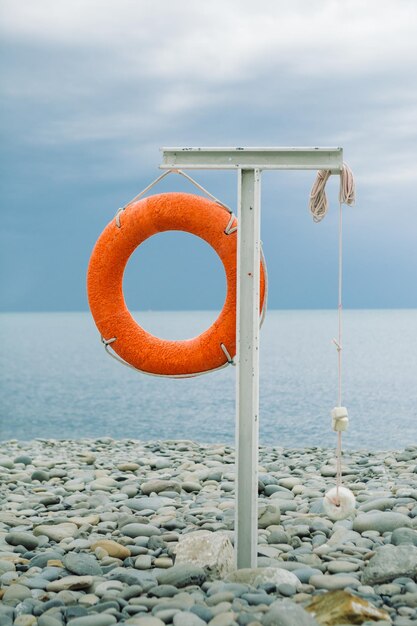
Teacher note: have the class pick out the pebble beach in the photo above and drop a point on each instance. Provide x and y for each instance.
(95, 532)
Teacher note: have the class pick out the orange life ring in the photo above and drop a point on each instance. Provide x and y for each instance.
(140, 220)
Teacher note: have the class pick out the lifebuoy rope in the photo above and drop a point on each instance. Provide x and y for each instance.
(116, 357)
(318, 207)
(228, 230)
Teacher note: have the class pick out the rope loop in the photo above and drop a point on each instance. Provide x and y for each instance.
(230, 228)
(230, 361)
(107, 342)
(192, 181)
(117, 216)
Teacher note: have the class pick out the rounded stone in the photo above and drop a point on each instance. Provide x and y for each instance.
(113, 548)
(82, 564)
(100, 619)
(182, 575)
(163, 591)
(404, 535)
(57, 532)
(25, 620)
(305, 573)
(223, 619)
(341, 566)
(40, 475)
(384, 521)
(184, 618)
(152, 503)
(145, 620)
(24, 459)
(331, 582)
(157, 485)
(140, 530)
(70, 583)
(144, 561)
(22, 539)
(6, 566)
(6, 462)
(48, 620)
(15, 594)
(286, 590)
(109, 587)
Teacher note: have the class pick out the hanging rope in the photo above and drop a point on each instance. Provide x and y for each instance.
(318, 206)
(107, 343)
(338, 343)
(318, 200)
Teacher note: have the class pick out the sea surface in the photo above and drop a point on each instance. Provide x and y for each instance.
(58, 382)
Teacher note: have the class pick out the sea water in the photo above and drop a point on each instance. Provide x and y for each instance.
(58, 382)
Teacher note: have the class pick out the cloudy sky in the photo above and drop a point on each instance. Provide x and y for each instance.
(93, 88)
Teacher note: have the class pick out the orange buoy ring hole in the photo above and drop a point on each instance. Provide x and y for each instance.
(136, 223)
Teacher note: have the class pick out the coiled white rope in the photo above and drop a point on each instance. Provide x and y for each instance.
(338, 502)
(318, 199)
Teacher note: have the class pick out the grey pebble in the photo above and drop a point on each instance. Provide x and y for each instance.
(93, 620)
(287, 613)
(404, 535)
(305, 573)
(163, 591)
(15, 594)
(382, 522)
(26, 460)
(286, 589)
(82, 564)
(40, 560)
(40, 475)
(332, 582)
(202, 611)
(182, 575)
(254, 599)
(36, 582)
(140, 530)
(152, 503)
(183, 618)
(29, 541)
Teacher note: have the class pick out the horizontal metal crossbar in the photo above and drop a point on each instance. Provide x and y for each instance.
(253, 158)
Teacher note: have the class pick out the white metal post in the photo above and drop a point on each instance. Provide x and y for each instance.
(247, 387)
(249, 162)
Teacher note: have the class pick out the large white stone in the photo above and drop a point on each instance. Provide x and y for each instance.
(211, 550)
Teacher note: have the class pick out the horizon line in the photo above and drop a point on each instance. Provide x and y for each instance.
(270, 309)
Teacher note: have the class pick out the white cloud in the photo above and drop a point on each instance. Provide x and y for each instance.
(129, 71)
(222, 41)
